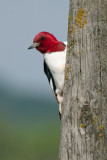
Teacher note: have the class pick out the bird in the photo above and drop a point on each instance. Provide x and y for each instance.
(54, 53)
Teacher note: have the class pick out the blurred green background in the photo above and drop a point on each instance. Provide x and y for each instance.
(29, 119)
(29, 127)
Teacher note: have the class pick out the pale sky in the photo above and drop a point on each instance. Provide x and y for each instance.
(20, 21)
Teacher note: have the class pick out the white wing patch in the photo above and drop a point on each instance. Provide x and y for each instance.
(51, 84)
(56, 63)
(54, 68)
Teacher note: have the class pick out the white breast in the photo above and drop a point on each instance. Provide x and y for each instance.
(56, 63)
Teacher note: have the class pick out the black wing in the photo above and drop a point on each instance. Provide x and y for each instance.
(50, 78)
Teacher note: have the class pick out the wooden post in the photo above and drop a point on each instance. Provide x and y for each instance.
(84, 118)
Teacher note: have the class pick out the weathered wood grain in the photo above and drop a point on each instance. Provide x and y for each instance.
(83, 126)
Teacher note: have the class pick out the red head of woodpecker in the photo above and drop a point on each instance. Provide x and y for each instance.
(54, 61)
(45, 42)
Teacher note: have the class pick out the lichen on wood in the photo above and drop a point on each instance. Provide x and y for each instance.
(83, 124)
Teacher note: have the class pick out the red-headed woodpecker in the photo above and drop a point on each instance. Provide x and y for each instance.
(54, 52)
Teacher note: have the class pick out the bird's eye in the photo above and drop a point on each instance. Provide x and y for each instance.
(42, 38)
